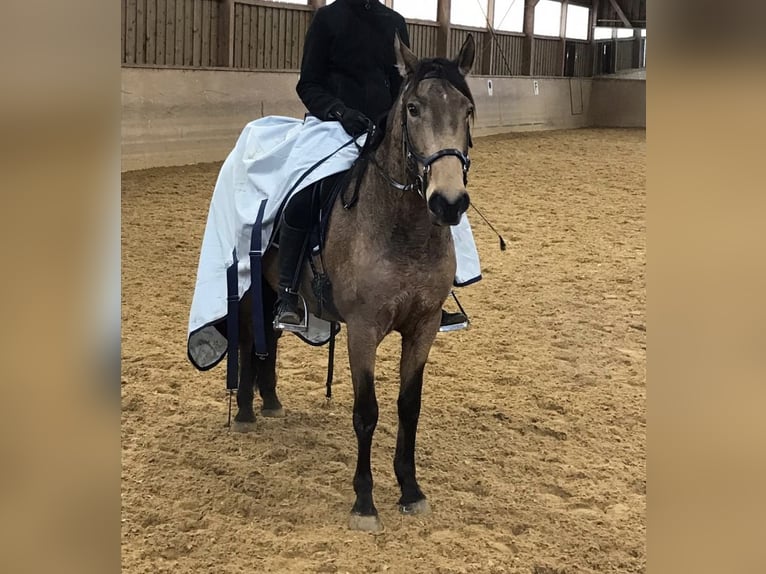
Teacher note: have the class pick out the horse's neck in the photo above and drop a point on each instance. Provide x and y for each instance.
(395, 216)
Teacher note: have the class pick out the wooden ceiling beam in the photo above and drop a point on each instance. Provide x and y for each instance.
(620, 13)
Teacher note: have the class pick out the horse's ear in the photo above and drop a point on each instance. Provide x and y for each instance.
(406, 61)
(464, 59)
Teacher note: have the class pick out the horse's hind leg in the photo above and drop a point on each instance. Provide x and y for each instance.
(361, 349)
(266, 368)
(253, 370)
(415, 349)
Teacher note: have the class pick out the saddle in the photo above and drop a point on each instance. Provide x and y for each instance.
(324, 194)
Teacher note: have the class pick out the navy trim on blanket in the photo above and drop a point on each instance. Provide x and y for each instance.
(467, 283)
(215, 363)
(256, 284)
(335, 326)
(232, 324)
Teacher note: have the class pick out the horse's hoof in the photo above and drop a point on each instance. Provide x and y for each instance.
(278, 413)
(365, 523)
(419, 507)
(238, 426)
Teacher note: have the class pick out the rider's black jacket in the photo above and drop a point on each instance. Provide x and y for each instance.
(348, 59)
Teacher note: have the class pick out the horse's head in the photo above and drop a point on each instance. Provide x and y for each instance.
(435, 109)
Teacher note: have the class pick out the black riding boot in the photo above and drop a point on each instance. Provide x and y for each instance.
(292, 244)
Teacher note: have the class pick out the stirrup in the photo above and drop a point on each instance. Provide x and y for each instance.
(455, 326)
(302, 327)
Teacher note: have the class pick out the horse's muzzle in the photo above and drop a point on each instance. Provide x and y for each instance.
(448, 211)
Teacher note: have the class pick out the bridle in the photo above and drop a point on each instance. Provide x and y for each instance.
(415, 158)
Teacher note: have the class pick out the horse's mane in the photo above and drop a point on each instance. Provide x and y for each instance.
(428, 68)
(443, 69)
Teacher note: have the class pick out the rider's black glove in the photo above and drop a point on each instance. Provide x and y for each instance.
(353, 121)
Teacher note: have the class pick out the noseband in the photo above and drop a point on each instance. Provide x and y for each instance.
(414, 158)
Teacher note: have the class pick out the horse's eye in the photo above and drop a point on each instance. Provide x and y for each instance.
(470, 111)
(413, 109)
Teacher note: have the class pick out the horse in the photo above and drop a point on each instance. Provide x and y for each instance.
(392, 260)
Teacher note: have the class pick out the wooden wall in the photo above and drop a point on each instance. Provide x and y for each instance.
(583, 59)
(624, 55)
(507, 55)
(548, 57)
(269, 37)
(423, 39)
(170, 32)
(262, 35)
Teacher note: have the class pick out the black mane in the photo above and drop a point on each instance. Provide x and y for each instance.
(443, 69)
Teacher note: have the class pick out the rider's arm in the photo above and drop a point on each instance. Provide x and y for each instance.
(315, 70)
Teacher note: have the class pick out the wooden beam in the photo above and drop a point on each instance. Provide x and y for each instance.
(226, 33)
(443, 8)
(563, 34)
(316, 4)
(528, 47)
(636, 55)
(593, 20)
(488, 48)
(620, 13)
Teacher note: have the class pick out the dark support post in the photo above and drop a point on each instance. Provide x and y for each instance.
(226, 33)
(316, 4)
(563, 33)
(488, 49)
(636, 62)
(591, 35)
(528, 50)
(443, 8)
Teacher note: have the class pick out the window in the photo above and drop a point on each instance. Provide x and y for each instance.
(469, 13)
(420, 10)
(624, 32)
(601, 33)
(548, 18)
(643, 32)
(578, 21)
(509, 15)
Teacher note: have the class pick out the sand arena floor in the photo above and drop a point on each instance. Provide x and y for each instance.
(531, 444)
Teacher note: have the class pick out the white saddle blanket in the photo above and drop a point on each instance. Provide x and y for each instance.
(269, 159)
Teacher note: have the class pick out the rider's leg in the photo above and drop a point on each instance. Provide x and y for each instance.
(293, 237)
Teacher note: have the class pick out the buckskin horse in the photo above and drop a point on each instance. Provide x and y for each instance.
(391, 261)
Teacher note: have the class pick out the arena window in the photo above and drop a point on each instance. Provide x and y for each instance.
(509, 15)
(578, 21)
(420, 10)
(602, 33)
(469, 13)
(547, 18)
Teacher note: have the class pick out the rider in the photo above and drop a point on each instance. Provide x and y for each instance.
(348, 74)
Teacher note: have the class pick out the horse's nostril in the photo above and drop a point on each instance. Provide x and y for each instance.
(465, 202)
(448, 212)
(437, 203)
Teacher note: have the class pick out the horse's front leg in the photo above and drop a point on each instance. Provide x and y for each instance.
(362, 344)
(416, 345)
